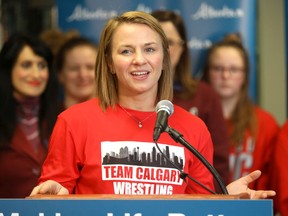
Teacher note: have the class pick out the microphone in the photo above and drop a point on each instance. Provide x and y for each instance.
(164, 109)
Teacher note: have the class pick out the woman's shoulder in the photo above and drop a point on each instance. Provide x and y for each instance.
(265, 117)
(264, 114)
(81, 109)
(183, 116)
(205, 88)
(189, 125)
(206, 92)
(285, 125)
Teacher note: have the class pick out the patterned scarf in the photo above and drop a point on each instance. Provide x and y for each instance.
(28, 120)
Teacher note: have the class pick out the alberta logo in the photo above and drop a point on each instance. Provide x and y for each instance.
(206, 11)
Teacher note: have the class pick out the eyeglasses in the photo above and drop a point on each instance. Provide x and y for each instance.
(232, 70)
(174, 43)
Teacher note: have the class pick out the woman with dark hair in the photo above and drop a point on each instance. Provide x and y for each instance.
(195, 96)
(28, 94)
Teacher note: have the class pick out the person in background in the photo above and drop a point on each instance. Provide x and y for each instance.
(75, 66)
(252, 130)
(27, 112)
(55, 38)
(105, 145)
(279, 174)
(195, 96)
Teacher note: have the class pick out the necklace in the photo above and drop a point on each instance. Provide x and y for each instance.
(140, 125)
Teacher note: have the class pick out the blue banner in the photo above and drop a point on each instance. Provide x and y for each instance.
(86, 207)
(206, 21)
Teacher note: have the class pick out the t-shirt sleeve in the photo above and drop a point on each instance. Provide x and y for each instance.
(61, 146)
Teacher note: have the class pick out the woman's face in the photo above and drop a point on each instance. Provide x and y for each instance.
(29, 74)
(137, 58)
(175, 42)
(78, 73)
(226, 73)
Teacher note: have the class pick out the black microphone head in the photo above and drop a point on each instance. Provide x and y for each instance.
(165, 105)
(164, 109)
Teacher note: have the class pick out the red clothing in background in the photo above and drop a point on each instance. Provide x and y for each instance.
(280, 171)
(255, 154)
(20, 167)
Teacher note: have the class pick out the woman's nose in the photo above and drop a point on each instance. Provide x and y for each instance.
(139, 58)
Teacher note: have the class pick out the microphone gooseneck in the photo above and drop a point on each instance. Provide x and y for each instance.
(175, 135)
(164, 109)
(183, 175)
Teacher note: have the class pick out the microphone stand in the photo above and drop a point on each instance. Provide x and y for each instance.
(177, 137)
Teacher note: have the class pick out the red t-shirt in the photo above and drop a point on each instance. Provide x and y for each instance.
(255, 153)
(96, 152)
(280, 171)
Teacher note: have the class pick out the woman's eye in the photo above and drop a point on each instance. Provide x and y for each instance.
(150, 49)
(26, 64)
(42, 65)
(125, 52)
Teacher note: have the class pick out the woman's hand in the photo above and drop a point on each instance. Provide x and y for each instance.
(49, 187)
(241, 186)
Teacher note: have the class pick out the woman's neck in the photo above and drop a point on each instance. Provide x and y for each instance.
(228, 106)
(28, 107)
(140, 103)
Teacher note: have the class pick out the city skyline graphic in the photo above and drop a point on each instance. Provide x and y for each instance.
(152, 159)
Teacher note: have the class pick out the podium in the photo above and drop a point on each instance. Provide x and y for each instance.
(132, 205)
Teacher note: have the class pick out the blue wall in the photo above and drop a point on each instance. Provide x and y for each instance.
(206, 21)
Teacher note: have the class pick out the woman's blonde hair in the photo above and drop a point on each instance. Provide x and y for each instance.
(107, 87)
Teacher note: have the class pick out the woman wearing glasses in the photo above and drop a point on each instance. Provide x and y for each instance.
(252, 130)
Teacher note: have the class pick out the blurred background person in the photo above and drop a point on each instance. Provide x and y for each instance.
(54, 38)
(195, 96)
(252, 130)
(279, 170)
(75, 66)
(27, 113)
